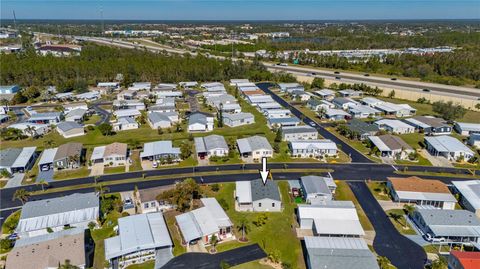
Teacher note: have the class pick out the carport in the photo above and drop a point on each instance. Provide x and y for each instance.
(46, 160)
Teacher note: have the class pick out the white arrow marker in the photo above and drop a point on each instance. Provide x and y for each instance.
(264, 172)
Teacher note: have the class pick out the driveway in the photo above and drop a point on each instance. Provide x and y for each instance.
(97, 169)
(15, 180)
(436, 160)
(45, 175)
(208, 261)
(401, 251)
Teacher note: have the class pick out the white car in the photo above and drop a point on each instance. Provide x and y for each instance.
(154, 164)
(432, 239)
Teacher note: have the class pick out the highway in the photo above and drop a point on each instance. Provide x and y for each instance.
(345, 76)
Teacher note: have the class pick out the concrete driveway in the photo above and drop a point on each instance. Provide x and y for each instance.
(147, 165)
(97, 169)
(401, 251)
(435, 160)
(15, 180)
(45, 175)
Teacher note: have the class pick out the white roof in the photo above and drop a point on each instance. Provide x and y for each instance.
(243, 191)
(394, 124)
(469, 127)
(48, 156)
(335, 242)
(470, 191)
(136, 233)
(158, 148)
(334, 112)
(319, 144)
(418, 123)
(253, 143)
(445, 143)
(127, 113)
(333, 218)
(426, 196)
(325, 92)
(24, 157)
(379, 143)
(98, 153)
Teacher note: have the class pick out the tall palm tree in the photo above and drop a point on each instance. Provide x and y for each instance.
(243, 227)
(22, 195)
(101, 190)
(213, 242)
(43, 183)
(409, 209)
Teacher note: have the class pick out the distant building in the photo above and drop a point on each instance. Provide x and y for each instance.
(255, 196)
(75, 210)
(350, 93)
(60, 50)
(291, 133)
(140, 238)
(423, 192)
(430, 125)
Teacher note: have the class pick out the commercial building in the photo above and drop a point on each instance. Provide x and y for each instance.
(316, 189)
(69, 129)
(317, 148)
(430, 125)
(114, 154)
(17, 160)
(140, 238)
(55, 214)
(212, 145)
(330, 218)
(254, 147)
(292, 133)
(391, 146)
(423, 192)
(338, 253)
(202, 223)
(469, 191)
(448, 147)
(257, 197)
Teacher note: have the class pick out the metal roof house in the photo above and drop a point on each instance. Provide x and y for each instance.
(257, 197)
(132, 113)
(75, 210)
(11, 89)
(317, 189)
(140, 238)
(51, 250)
(291, 133)
(70, 129)
(344, 102)
(46, 159)
(469, 194)
(200, 122)
(212, 145)
(448, 147)
(238, 119)
(202, 223)
(254, 147)
(339, 253)
(31, 129)
(450, 226)
(45, 117)
(363, 129)
(430, 125)
(464, 259)
(362, 111)
(474, 140)
(330, 218)
(325, 94)
(159, 150)
(76, 115)
(391, 146)
(282, 122)
(17, 160)
(395, 126)
(350, 93)
(125, 123)
(113, 154)
(398, 110)
(68, 156)
(423, 192)
(336, 114)
(290, 87)
(162, 119)
(467, 128)
(317, 148)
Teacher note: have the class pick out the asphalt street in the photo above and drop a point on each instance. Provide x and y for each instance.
(208, 261)
(355, 155)
(401, 251)
(104, 115)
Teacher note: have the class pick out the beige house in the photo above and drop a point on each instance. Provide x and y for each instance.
(114, 154)
(146, 200)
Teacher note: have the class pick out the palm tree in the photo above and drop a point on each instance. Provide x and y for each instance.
(49, 143)
(213, 242)
(22, 195)
(31, 130)
(243, 227)
(43, 183)
(383, 262)
(101, 190)
(396, 217)
(409, 209)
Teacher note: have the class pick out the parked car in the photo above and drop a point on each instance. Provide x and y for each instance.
(338, 78)
(154, 164)
(336, 72)
(13, 236)
(313, 124)
(393, 78)
(367, 75)
(426, 90)
(432, 239)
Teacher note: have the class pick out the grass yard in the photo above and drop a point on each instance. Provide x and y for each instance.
(178, 249)
(400, 223)
(287, 247)
(358, 145)
(379, 190)
(11, 222)
(145, 265)
(69, 174)
(344, 193)
(114, 170)
(136, 163)
(99, 236)
(92, 119)
(252, 265)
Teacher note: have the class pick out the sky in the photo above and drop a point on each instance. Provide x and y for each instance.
(241, 9)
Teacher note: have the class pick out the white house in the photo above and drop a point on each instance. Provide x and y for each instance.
(162, 120)
(474, 140)
(70, 129)
(317, 189)
(325, 94)
(255, 196)
(391, 146)
(304, 132)
(448, 147)
(125, 123)
(200, 122)
(114, 154)
(212, 145)
(317, 148)
(238, 119)
(132, 113)
(469, 191)
(395, 126)
(254, 147)
(344, 102)
(467, 128)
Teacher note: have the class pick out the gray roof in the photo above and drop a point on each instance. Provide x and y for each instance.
(198, 117)
(298, 129)
(125, 120)
(342, 100)
(362, 127)
(25, 241)
(207, 143)
(269, 190)
(451, 222)
(237, 116)
(339, 253)
(253, 143)
(46, 115)
(78, 112)
(155, 117)
(315, 184)
(470, 190)
(158, 148)
(445, 143)
(66, 126)
(8, 156)
(136, 233)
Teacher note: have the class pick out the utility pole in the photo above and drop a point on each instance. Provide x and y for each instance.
(14, 20)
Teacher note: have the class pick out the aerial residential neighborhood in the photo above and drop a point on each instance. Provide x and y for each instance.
(243, 135)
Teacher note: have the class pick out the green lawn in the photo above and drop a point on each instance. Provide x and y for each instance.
(92, 119)
(252, 265)
(74, 173)
(11, 222)
(344, 193)
(145, 265)
(178, 249)
(136, 163)
(379, 190)
(114, 170)
(286, 246)
(400, 223)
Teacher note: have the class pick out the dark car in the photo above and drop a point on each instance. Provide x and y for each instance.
(367, 75)
(336, 72)
(426, 90)
(338, 78)
(393, 78)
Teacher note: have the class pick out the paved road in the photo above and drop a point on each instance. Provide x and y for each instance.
(208, 261)
(105, 115)
(354, 154)
(388, 242)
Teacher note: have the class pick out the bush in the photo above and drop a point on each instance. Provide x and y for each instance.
(6, 244)
(215, 187)
(261, 220)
